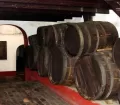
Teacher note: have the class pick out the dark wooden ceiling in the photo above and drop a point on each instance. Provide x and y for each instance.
(49, 10)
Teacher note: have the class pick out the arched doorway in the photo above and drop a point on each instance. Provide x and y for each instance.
(7, 72)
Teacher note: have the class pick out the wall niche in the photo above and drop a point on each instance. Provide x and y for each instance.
(3, 50)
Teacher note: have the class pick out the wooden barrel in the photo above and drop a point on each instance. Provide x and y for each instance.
(33, 40)
(31, 57)
(87, 38)
(40, 34)
(56, 37)
(102, 36)
(105, 77)
(61, 67)
(112, 75)
(111, 33)
(43, 62)
(73, 40)
(94, 35)
(20, 58)
(56, 33)
(44, 36)
(90, 77)
(34, 50)
(116, 52)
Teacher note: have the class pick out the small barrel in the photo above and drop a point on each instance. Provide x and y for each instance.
(43, 62)
(61, 67)
(116, 52)
(111, 33)
(90, 77)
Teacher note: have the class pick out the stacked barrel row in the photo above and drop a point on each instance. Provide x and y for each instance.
(79, 53)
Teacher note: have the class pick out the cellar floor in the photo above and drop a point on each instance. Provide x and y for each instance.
(17, 92)
(68, 93)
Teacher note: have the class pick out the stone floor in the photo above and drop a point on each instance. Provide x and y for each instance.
(13, 92)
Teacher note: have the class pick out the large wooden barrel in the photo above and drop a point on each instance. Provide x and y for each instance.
(116, 52)
(73, 40)
(100, 79)
(43, 61)
(111, 33)
(89, 36)
(81, 38)
(59, 37)
(112, 75)
(105, 32)
(90, 77)
(61, 67)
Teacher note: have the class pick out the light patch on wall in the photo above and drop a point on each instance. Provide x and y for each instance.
(9, 30)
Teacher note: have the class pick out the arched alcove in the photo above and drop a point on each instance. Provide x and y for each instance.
(14, 37)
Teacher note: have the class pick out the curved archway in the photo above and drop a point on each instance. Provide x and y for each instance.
(25, 41)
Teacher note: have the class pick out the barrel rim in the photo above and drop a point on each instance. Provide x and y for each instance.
(97, 35)
(88, 34)
(81, 40)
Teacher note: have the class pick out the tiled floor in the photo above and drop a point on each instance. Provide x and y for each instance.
(27, 93)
